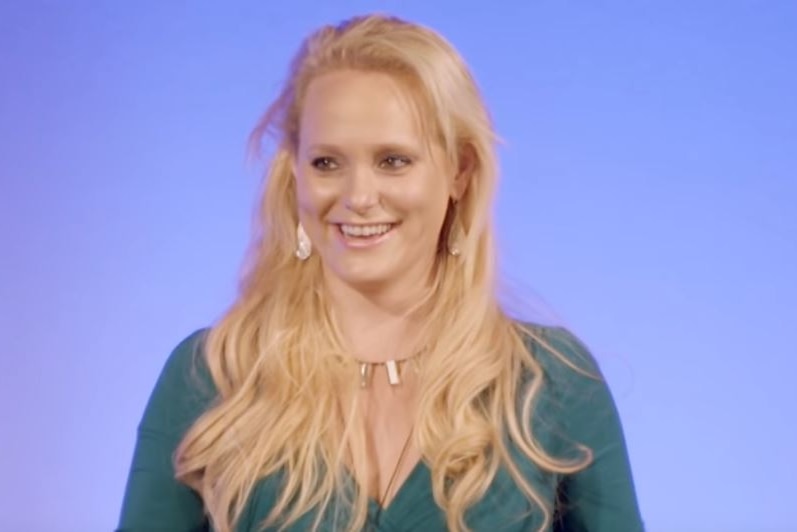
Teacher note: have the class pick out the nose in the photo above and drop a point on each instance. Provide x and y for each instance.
(361, 191)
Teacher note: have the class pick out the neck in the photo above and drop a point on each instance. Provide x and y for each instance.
(376, 322)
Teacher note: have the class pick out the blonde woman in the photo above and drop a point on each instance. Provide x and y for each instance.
(366, 378)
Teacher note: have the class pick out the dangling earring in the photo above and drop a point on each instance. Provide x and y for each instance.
(303, 245)
(455, 233)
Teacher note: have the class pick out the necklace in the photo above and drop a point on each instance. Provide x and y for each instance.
(393, 475)
(393, 368)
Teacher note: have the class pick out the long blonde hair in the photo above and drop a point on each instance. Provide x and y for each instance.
(276, 357)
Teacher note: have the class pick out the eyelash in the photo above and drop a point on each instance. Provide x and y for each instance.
(325, 163)
(317, 163)
(405, 161)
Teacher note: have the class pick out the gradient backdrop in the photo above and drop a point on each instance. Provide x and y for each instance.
(647, 201)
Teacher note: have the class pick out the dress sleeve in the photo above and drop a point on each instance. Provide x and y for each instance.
(154, 500)
(600, 498)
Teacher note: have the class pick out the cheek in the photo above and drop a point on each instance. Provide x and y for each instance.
(424, 199)
(313, 196)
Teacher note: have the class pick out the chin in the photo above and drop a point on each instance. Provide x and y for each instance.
(366, 277)
(365, 280)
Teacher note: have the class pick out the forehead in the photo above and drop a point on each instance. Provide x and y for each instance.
(352, 107)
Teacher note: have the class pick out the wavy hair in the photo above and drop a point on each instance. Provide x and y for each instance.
(276, 356)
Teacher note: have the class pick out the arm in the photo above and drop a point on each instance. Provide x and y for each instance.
(153, 499)
(600, 498)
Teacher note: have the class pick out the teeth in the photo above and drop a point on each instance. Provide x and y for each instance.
(365, 230)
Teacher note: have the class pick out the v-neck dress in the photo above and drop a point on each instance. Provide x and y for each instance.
(573, 407)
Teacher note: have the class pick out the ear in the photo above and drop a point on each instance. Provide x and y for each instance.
(466, 166)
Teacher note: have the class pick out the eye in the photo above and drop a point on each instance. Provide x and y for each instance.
(324, 163)
(395, 162)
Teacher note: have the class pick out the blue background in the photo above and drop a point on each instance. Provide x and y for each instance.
(647, 201)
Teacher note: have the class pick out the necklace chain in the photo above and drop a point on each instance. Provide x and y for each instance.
(393, 368)
(396, 469)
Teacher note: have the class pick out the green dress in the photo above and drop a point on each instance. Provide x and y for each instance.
(572, 408)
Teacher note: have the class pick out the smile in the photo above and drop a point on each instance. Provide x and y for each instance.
(365, 230)
(365, 236)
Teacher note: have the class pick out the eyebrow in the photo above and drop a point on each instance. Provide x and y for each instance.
(382, 147)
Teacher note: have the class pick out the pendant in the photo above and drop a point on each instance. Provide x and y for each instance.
(391, 366)
(365, 373)
(392, 372)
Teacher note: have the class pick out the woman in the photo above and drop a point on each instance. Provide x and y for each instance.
(366, 377)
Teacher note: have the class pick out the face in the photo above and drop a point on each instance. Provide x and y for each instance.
(372, 192)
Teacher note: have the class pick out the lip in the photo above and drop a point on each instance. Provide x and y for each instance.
(353, 243)
(362, 224)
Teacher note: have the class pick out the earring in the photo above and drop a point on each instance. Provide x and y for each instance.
(455, 234)
(303, 245)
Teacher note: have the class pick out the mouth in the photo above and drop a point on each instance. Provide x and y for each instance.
(364, 235)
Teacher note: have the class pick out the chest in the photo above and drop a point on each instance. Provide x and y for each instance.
(503, 508)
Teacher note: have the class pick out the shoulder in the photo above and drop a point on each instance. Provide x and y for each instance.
(184, 389)
(576, 418)
(188, 356)
(574, 394)
(560, 353)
